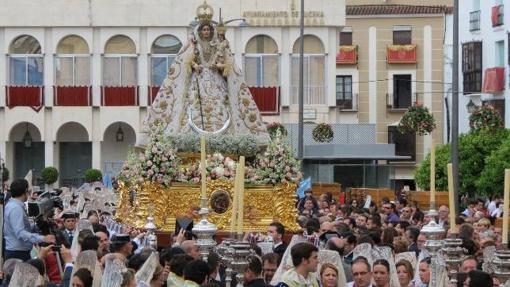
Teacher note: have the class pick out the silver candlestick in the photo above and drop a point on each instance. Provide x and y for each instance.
(226, 253)
(205, 231)
(241, 252)
(434, 233)
(453, 257)
(502, 266)
(151, 238)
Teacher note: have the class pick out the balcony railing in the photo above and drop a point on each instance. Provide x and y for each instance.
(498, 15)
(72, 95)
(347, 55)
(348, 104)
(400, 102)
(267, 99)
(25, 96)
(152, 94)
(401, 54)
(119, 96)
(494, 80)
(474, 21)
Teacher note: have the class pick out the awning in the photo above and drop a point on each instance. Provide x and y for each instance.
(352, 152)
(494, 80)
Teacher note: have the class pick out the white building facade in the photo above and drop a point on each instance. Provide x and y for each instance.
(484, 57)
(77, 78)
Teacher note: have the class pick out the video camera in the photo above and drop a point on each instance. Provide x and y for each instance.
(44, 204)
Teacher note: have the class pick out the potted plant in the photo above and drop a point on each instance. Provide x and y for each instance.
(323, 133)
(273, 127)
(417, 119)
(93, 175)
(49, 176)
(485, 117)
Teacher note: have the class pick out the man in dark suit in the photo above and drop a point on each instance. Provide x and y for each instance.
(276, 231)
(69, 220)
(253, 273)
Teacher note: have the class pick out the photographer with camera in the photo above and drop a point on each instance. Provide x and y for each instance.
(19, 232)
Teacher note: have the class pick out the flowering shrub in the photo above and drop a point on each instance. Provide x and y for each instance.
(417, 119)
(485, 117)
(273, 127)
(277, 164)
(158, 163)
(323, 133)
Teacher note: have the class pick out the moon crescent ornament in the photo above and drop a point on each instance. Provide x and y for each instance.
(201, 131)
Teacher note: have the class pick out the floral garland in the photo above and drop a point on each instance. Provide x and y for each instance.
(485, 117)
(158, 163)
(417, 119)
(273, 127)
(277, 164)
(323, 133)
(218, 167)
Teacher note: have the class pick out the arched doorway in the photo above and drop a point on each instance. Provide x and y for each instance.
(28, 150)
(75, 154)
(118, 139)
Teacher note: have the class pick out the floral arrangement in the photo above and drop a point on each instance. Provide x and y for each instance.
(226, 144)
(158, 163)
(485, 117)
(273, 127)
(218, 167)
(277, 164)
(417, 119)
(323, 133)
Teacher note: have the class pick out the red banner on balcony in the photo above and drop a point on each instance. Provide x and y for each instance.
(401, 54)
(72, 96)
(119, 96)
(25, 96)
(347, 55)
(494, 80)
(153, 93)
(495, 16)
(267, 99)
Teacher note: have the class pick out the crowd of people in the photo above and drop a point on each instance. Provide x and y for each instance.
(357, 244)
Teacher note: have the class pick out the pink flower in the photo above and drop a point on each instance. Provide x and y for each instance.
(149, 163)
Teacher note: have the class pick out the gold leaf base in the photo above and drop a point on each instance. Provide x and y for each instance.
(263, 205)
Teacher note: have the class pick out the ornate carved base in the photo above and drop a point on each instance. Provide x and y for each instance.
(263, 204)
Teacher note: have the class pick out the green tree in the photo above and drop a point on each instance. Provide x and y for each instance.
(49, 175)
(493, 175)
(474, 148)
(422, 173)
(93, 175)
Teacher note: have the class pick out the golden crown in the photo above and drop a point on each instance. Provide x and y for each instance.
(205, 13)
(221, 28)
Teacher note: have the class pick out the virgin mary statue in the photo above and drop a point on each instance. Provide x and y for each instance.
(205, 90)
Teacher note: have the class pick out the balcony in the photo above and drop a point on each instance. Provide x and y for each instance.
(347, 55)
(25, 96)
(474, 21)
(267, 99)
(152, 94)
(72, 96)
(348, 104)
(494, 80)
(119, 96)
(398, 103)
(401, 54)
(498, 15)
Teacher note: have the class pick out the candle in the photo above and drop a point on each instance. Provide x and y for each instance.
(240, 213)
(451, 198)
(203, 170)
(433, 176)
(506, 202)
(235, 201)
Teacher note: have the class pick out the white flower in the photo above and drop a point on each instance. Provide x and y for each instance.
(219, 171)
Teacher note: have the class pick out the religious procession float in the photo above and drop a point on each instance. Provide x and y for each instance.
(206, 146)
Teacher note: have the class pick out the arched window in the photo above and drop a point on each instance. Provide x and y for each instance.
(314, 71)
(72, 62)
(120, 62)
(25, 62)
(163, 52)
(261, 62)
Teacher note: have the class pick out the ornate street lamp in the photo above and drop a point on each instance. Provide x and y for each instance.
(471, 106)
(119, 136)
(27, 139)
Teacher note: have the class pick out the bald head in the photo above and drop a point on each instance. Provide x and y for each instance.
(191, 249)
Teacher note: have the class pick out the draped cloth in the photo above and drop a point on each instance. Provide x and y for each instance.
(88, 259)
(325, 256)
(25, 275)
(214, 94)
(373, 253)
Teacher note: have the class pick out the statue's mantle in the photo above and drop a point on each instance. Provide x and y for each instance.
(263, 204)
